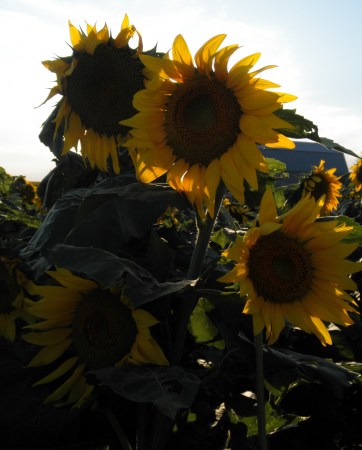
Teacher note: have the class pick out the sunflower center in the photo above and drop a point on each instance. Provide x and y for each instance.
(202, 120)
(101, 87)
(280, 268)
(103, 330)
(320, 187)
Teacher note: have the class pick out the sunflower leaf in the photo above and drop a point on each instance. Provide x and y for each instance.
(282, 364)
(355, 237)
(109, 218)
(201, 326)
(303, 128)
(57, 224)
(169, 388)
(331, 144)
(110, 271)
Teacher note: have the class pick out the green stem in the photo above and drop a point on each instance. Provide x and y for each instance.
(125, 445)
(262, 440)
(203, 237)
(163, 425)
(194, 271)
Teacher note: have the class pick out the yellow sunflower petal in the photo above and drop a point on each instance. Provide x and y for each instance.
(50, 353)
(258, 324)
(203, 57)
(221, 60)
(175, 174)
(212, 180)
(268, 210)
(66, 386)
(165, 68)
(79, 393)
(143, 318)
(7, 327)
(51, 337)
(277, 322)
(75, 36)
(57, 373)
(71, 281)
(147, 351)
(182, 56)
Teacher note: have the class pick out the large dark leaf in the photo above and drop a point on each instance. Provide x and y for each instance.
(169, 388)
(281, 364)
(109, 270)
(109, 218)
(58, 222)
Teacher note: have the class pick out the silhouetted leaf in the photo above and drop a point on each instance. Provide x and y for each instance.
(303, 128)
(110, 271)
(108, 218)
(169, 388)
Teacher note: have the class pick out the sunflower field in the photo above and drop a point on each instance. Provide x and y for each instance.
(165, 287)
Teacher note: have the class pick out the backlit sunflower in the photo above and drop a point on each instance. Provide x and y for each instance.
(292, 267)
(323, 182)
(356, 175)
(12, 283)
(201, 122)
(97, 84)
(86, 327)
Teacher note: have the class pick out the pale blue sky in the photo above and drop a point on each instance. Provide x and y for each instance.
(315, 43)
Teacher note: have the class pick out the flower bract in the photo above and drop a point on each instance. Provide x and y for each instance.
(294, 268)
(200, 123)
(85, 327)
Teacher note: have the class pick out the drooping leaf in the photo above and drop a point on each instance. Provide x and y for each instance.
(109, 218)
(303, 128)
(331, 144)
(283, 367)
(169, 388)
(57, 224)
(111, 271)
(275, 421)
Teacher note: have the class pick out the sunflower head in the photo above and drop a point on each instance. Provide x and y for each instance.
(200, 122)
(322, 182)
(80, 327)
(292, 267)
(25, 190)
(97, 84)
(356, 175)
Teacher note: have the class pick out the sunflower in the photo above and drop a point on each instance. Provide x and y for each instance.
(323, 182)
(200, 123)
(356, 175)
(12, 282)
(86, 327)
(292, 267)
(97, 84)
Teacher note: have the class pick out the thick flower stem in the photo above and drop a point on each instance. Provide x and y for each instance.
(125, 445)
(197, 260)
(163, 425)
(262, 440)
(203, 238)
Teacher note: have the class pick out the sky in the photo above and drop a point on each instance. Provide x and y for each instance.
(315, 44)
